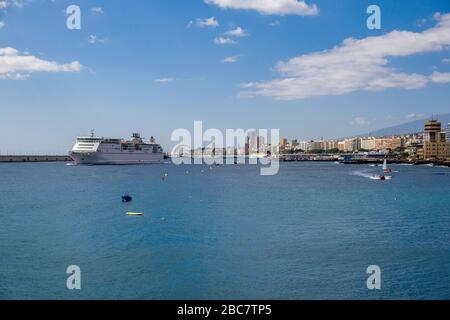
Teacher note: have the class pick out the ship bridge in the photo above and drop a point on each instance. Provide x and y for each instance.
(87, 144)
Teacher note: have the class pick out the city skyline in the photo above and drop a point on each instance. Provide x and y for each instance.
(155, 67)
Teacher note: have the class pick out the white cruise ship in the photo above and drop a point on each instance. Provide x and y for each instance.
(97, 151)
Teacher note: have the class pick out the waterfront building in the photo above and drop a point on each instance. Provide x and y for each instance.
(435, 144)
(377, 144)
(349, 145)
(414, 151)
(316, 146)
(410, 140)
(254, 144)
(448, 132)
(231, 151)
(241, 151)
(260, 144)
(392, 143)
(304, 145)
(368, 143)
(247, 146)
(330, 145)
(283, 144)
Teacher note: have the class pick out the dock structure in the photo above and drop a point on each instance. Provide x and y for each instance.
(30, 158)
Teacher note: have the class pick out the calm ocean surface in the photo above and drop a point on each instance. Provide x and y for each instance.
(227, 233)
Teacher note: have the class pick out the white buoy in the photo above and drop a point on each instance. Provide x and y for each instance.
(135, 214)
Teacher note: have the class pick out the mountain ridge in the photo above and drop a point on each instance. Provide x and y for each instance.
(412, 127)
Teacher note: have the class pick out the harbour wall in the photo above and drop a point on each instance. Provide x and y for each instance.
(40, 158)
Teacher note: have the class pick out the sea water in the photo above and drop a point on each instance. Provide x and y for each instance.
(225, 232)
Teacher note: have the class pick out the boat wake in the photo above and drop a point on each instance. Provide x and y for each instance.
(371, 176)
(363, 174)
(380, 178)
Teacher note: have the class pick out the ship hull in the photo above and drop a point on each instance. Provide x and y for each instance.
(116, 158)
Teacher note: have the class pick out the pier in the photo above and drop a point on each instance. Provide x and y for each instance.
(40, 158)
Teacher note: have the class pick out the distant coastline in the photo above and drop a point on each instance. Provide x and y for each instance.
(282, 158)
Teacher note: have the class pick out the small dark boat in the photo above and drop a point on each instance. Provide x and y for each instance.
(127, 198)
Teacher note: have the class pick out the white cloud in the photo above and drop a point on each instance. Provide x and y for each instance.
(205, 23)
(439, 77)
(2, 24)
(18, 3)
(11, 3)
(8, 51)
(94, 39)
(446, 60)
(237, 32)
(268, 7)
(14, 65)
(412, 116)
(222, 41)
(231, 59)
(97, 10)
(164, 80)
(360, 121)
(356, 65)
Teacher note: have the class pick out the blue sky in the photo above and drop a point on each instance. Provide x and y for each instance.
(153, 67)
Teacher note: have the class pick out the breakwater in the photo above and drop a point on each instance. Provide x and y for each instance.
(40, 158)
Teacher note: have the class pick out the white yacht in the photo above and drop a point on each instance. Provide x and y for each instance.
(96, 151)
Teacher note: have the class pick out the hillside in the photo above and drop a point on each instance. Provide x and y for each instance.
(410, 127)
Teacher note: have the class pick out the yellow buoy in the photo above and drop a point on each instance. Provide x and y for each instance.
(135, 213)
